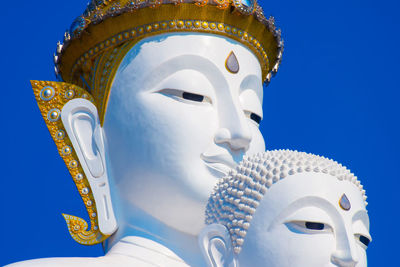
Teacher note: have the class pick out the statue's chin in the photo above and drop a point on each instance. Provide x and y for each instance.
(173, 205)
(218, 170)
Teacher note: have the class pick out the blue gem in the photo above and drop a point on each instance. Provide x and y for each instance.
(77, 26)
(344, 202)
(91, 7)
(247, 3)
(231, 63)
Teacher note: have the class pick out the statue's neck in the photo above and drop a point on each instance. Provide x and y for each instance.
(183, 245)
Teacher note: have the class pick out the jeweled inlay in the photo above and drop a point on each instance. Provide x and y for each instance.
(344, 202)
(47, 93)
(231, 63)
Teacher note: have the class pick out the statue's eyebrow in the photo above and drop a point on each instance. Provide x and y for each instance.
(253, 82)
(304, 202)
(362, 216)
(186, 62)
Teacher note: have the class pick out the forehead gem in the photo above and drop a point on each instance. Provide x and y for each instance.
(231, 63)
(344, 202)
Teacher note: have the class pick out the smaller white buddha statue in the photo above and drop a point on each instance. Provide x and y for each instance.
(287, 208)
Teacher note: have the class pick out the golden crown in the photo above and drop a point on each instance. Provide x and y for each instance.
(97, 41)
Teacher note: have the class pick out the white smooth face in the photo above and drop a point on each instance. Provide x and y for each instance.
(299, 223)
(177, 120)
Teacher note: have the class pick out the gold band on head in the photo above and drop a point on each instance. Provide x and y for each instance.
(97, 41)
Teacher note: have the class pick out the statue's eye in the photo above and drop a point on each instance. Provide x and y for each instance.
(315, 226)
(185, 96)
(193, 97)
(363, 240)
(255, 118)
(309, 227)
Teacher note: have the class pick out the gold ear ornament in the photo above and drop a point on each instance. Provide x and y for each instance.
(51, 98)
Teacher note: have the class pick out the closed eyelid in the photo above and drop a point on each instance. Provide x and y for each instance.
(362, 216)
(359, 228)
(251, 94)
(185, 63)
(181, 94)
(251, 103)
(310, 214)
(197, 84)
(252, 82)
(309, 227)
(321, 205)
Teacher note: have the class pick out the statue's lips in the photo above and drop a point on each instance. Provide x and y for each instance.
(220, 162)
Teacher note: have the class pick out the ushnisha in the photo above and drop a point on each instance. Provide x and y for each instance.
(287, 208)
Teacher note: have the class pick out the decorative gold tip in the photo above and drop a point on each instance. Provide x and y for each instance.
(78, 230)
(51, 98)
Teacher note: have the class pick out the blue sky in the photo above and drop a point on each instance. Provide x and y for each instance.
(336, 94)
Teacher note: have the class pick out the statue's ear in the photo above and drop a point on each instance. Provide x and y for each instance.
(216, 246)
(82, 124)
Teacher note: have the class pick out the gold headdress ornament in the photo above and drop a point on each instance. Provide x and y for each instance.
(98, 40)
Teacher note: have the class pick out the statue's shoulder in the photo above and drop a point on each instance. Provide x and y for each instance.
(130, 251)
(58, 262)
(61, 262)
(106, 261)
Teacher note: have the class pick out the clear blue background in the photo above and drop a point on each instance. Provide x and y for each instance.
(336, 94)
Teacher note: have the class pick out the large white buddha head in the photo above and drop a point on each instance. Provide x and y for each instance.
(287, 208)
(161, 101)
(177, 120)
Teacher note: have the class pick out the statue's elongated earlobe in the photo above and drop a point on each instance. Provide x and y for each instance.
(81, 146)
(81, 121)
(216, 245)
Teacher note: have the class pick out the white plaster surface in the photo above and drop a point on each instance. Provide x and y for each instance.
(159, 153)
(130, 251)
(278, 235)
(165, 153)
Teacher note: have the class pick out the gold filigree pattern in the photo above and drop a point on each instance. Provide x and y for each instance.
(77, 228)
(109, 53)
(111, 24)
(51, 98)
(201, 3)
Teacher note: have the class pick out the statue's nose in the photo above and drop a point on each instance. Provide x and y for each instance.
(236, 140)
(344, 259)
(234, 129)
(346, 254)
(235, 133)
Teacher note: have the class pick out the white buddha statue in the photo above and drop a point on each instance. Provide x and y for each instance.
(287, 208)
(158, 101)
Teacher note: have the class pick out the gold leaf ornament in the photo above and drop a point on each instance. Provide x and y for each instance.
(51, 98)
